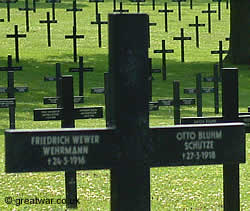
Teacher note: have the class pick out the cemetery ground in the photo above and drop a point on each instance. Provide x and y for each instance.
(172, 188)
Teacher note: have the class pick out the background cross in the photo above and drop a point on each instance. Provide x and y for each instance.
(74, 36)
(16, 36)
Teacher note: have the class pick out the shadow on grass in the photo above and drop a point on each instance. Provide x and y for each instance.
(34, 71)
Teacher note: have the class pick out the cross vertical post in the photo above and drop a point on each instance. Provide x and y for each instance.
(99, 25)
(121, 10)
(26, 9)
(197, 25)
(179, 7)
(56, 79)
(74, 10)
(209, 12)
(80, 70)
(166, 11)
(163, 51)
(53, 3)
(74, 36)
(230, 111)
(220, 52)
(48, 21)
(8, 2)
(176, 101)
(16, 36)
(199, 94)
(66, 83)
(219, 8)
(182, 39)
(128, 60)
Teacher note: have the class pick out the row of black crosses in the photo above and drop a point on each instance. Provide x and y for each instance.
(98, 21)
(182, 38)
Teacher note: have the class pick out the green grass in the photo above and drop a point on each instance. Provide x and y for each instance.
(173, 188)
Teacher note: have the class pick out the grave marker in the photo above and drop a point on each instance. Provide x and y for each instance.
(128, 147)
(16, 36)
(11, 89)
(197, 25)
(230, 109)
(191, 4)
(138, 4)
(8, 2)
(26, 9)
(216, 81)
(219, 8)
(151, 70)
(198, 91)
(182, 39)
(74, 36)
(53, 4)
(121, 10)
(67, 114)
(163, 52)
(11, 104)
(209, 12)
(176, 102)
(34, 5)
(99, 28)
(96, 6)
(48, 21)
(220, 52)
(166, 11)
(74, 10)
(153, 4)
(81, 69)
(57, 99)
(56, 79)
(179, 7)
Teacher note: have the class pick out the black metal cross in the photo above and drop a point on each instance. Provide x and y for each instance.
(215, 79)
(182, 39)
(163, 52)
(68, 114)
(96, 6)
(121, 10)
(197, 25)
(179, 7)
(99, 28)
(220, 52)
(191, 4)
(34, 5)
(74, 10)
(80, 70)
(11, 89)
(27, 9)
(138, 4)
(219, 8)
(53, 3)
(209, 12)
(198, 91)
(128, 147)
(48, 21)
(230, 113)
(74, 36)
(8, 2)
(176, 102)
(56, 79)
(166, 11)
(16, 36)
